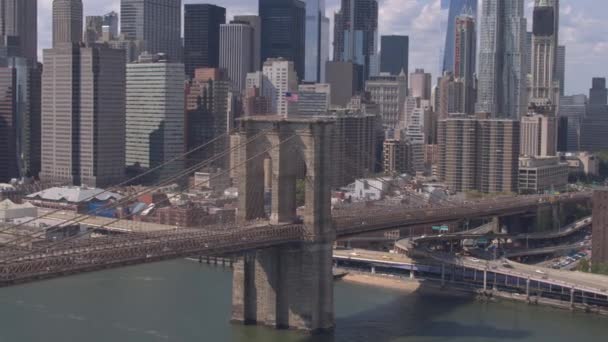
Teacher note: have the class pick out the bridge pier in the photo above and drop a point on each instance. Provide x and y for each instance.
(289, 286)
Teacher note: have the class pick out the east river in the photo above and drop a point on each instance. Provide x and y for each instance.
(183, 301)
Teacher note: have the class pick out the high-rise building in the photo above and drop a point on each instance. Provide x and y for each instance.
(455, 8)
(545, 33)
(451, 95)
(19, 22)
(356, 34)
(399, 157)
(465, 59)
(202, 36)
(420, 84)
(209, 115)
(284, 32)
(9, 167)
(317, 41)
(236, 52)
(110, 25)
(155, 115)
(394, 57)
(529, 53)
(560, 71)
(314, 99)
(67, 22)
(345, 81)
(538, 135)
(279, 83)
(598, 94)
(389, 93)
(573, 109)
(93, 29)
(19, 118)
(479, 154)
(154, 24)
(256, 24)
(502, 59)
(83, 115)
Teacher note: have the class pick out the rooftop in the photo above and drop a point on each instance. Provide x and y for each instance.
(74, 194)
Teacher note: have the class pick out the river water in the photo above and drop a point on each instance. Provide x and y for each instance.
(182, 301)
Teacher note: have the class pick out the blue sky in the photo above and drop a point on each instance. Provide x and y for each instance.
(583, 29)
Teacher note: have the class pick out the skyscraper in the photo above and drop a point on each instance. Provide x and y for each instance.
(8, 141)
(279, 80)
(67, 21)
(202, 36)
(356, 34)
(394, 57)
(83, 115)
(317, 41)
(598, 94)
(154, 24)
(420, 84)
(155, 115)
(502, 59)
(284, 31)
(389, 93)
(83, 107)
(236, 52)
(455, 8)
(18, 20)
(110, 24)
(545, 31)
(465, 57)
(93, 29)
(256, 24)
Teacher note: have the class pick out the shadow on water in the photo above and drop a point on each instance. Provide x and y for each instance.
(421, 314)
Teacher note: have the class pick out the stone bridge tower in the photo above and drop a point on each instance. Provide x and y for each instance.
(291, 286)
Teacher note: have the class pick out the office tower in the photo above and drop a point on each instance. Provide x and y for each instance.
(19, 22)
(256, 24)
(420, 84)
(560, 72)
(314, 99)
(356, 34)
(529, 53)
(451, 96)
(465, 59)
(455, 9)
(208, 115)
(284, 32)
(19, 118)
(417, 124)
(538, 136)
(317, 41)
(67, 22)
(502, 59)
(399, 157)
(389, 93)
(545, 32)
(573, 109)
(110, 25)
(9, 167)
(236, 52)
(279, 83)
(83, 115)
(155, 115)
(155, 25)
(93, 29)
(598, 94)
(345, 81)
(479, 154)
(202, 36)
(394, 57)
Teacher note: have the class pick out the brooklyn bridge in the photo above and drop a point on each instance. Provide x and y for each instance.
(283, 277)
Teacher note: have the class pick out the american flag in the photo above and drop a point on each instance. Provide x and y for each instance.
(292, 97)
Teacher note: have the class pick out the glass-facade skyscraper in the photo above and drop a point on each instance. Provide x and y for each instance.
(317, 41)
(395, 54)
(202, 36)
(502, 59)
(454, 9)
(284, 31)
(154, 24)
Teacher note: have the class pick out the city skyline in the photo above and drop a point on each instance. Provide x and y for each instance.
(580, 27)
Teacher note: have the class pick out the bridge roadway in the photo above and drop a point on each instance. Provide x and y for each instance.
(84, 255)
(589, 283)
